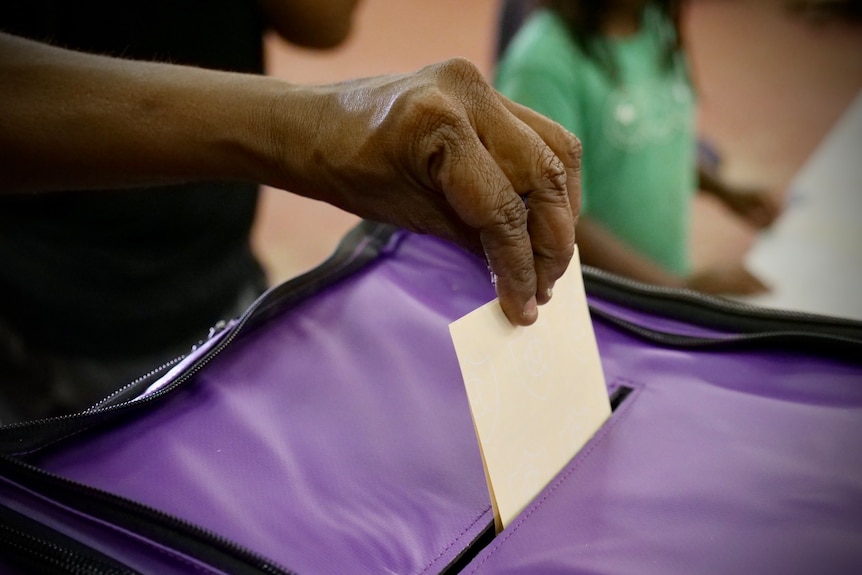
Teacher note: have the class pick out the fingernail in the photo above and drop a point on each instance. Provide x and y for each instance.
(531, 310)
(545, 296)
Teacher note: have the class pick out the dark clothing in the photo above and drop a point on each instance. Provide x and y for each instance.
(219, 34)
(119, 273)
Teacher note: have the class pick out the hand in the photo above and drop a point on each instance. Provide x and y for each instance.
(757, 207)
(730, 280)
(439, 151)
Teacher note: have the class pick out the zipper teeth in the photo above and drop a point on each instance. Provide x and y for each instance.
(133, 383)
(220, 326)
(260, 562)
(265, 564)
(303, 282)
(151, 514)
(693, 341)
(337, 261)
(69, 561)
(689, 295)
(382, 232)
(135, 507)
(154, 514)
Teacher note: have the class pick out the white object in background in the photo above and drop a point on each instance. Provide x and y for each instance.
(812, 256)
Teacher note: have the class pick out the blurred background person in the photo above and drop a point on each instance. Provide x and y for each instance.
(98, 288)
(615, 73)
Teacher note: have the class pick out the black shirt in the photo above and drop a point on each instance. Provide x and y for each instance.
(121, 272)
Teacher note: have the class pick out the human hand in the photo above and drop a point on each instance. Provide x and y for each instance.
(436, 151)
(439, 151)
(733, 279)
(758, 207)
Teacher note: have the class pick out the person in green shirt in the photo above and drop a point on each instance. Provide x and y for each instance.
(614, 73)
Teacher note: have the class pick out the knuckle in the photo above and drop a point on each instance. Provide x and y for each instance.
(460, 69)
(432, 125)
(553, 172)
(563, 257)
(570, 147)
(523, 274)
(573, 147)
(517, 273)
(571, 151)
(555, 256)
(465, 82)
(510, 215)
(439, 140)
(425, 109)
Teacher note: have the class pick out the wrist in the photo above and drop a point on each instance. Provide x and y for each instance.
(227, 125)
(293, 123)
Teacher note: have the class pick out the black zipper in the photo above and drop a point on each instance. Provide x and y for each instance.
(22, 438)
(369, 238)
(744, 325)
(358, 249)
(32, 547)
(184, 537)
(835, 344)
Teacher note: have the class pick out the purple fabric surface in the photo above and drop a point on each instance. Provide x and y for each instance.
(716, 463)
(337, 439)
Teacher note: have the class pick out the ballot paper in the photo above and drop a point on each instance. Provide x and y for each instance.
(537, 394)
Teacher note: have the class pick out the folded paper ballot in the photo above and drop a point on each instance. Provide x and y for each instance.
(537, 394)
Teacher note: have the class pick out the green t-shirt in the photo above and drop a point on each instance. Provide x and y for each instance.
(637, 131)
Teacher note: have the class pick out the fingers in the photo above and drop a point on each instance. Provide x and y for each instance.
(507, 174)
(564, 144)
(553, 191)
(483, 197)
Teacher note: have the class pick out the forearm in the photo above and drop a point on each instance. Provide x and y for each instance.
(74, 120)
(712, 184)
(600, 248)
(436, 151)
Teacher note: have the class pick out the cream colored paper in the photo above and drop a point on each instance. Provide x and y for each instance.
(537, 394)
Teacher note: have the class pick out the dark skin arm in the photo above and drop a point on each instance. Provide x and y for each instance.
(436, 151)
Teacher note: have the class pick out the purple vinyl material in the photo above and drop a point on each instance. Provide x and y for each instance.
(336, 438)
(716, 463)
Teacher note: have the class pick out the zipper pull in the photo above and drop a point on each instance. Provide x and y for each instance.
(213, 331)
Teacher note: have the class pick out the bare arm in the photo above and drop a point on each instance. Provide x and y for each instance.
(758, 207)
(437, 151)
(74, 120)
(311, 23)
(599, 247)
